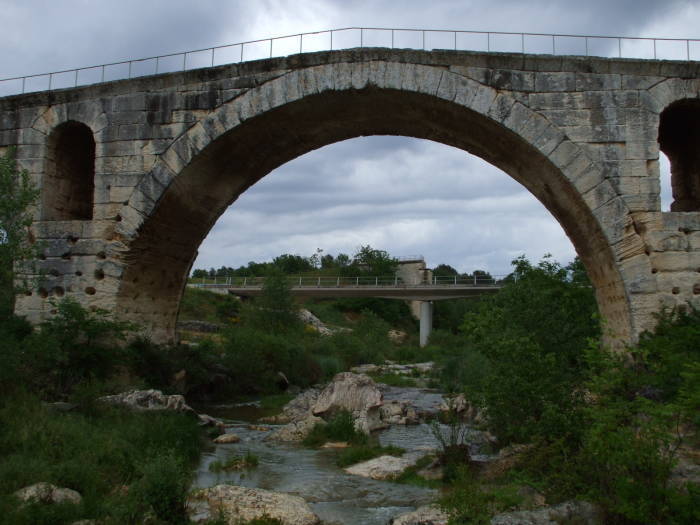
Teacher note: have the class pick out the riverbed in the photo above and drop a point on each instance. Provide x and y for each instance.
(336, 497)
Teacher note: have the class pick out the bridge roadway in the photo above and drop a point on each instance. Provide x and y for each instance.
(407, 292)
(425, 292)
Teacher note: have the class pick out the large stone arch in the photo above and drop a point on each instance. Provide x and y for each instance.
(208, 167)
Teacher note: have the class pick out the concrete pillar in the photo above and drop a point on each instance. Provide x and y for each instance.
(426, 321)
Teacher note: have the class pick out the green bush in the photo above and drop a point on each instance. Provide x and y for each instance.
(340, 427)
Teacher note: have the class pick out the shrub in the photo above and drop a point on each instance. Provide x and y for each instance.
(340, 427)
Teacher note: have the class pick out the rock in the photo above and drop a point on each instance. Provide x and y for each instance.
(227, 438)
(426, 515)
(336, 444)
(297, 409)
(242, 504)
(296, 430)
(507, 458)
(258, 428)
(397, 336)
(687, 468)
(356, 393)
(384, 467)
(457, 404)
(208, 421)
(310, 319)
(567, 513)
(398, 413)
(48, 493)
(148, 400)
(366, 369)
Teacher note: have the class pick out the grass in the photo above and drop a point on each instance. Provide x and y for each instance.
(246, 461)
(340, 428)
(275, 402)
(393, 379)
(410, 475)
(357, 454)
(210, 307)
(97, 453)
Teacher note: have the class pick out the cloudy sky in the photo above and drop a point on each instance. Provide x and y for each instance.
(371, 190)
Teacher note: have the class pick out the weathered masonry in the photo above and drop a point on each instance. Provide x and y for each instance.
(134, 173)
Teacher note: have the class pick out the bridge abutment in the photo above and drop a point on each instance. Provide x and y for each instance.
(426, 322)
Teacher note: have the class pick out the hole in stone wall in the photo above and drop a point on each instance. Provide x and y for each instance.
(654, 270)
(696, 289)
(69, 182)
(28, 293)
(58, 291)
(118, 218)
(43, 293)
(675, 290)
(99, 275)
(665, 175)
(679, 134)
(78, 273)
(101, 255)
(90, 290)
(54, 272)
(66, 256)
(73, 239)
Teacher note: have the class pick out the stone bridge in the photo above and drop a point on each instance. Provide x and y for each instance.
(134, 173)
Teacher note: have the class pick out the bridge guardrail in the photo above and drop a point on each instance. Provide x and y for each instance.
(362, 37)
(350, 282)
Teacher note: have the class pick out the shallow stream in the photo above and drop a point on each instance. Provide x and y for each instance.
(336, 497)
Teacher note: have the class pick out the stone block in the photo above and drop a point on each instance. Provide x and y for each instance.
(555, 81)
(597, 82)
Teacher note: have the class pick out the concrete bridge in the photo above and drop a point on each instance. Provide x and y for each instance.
(423, 293)
(134, 173)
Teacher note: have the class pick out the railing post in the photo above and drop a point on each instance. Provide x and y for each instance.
(158, 60)
(392, 39)
(554, 47)
(423, 40)
(357, 282)
(619, 47)
(50, 79)
(455, 280)
(475, 279)
(129, 68)
(24, 80)
(76, 78)
(184, 61)
(301, 42)
(376, 281)
(245, 281)
(318, 284)
(103, 74)
(300, 280)
(362, 35)
(522, 42)
(271, 48)
(331, 40)
(586, 39)
(337, 282)
(655, 48)
(241, 60)
(212, 57)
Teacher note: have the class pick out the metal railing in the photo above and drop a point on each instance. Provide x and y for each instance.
(362, 37)
(350, 282)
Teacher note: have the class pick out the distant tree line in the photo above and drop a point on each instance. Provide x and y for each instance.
(365, 261)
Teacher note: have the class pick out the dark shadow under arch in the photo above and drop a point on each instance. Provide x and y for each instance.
(159, 258)
(69, 178)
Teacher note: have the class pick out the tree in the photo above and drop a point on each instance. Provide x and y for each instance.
(375, 262)
(444, 270)
(17, 195)
(275, 310)
(534, 332)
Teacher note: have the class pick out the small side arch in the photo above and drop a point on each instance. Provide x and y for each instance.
(679, 137)
(69, 176)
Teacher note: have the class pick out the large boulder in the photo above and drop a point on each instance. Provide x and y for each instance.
(356, 393)
(426, 515)
(242, 504)
(567, 513)
(48, 493)
(397, 412)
